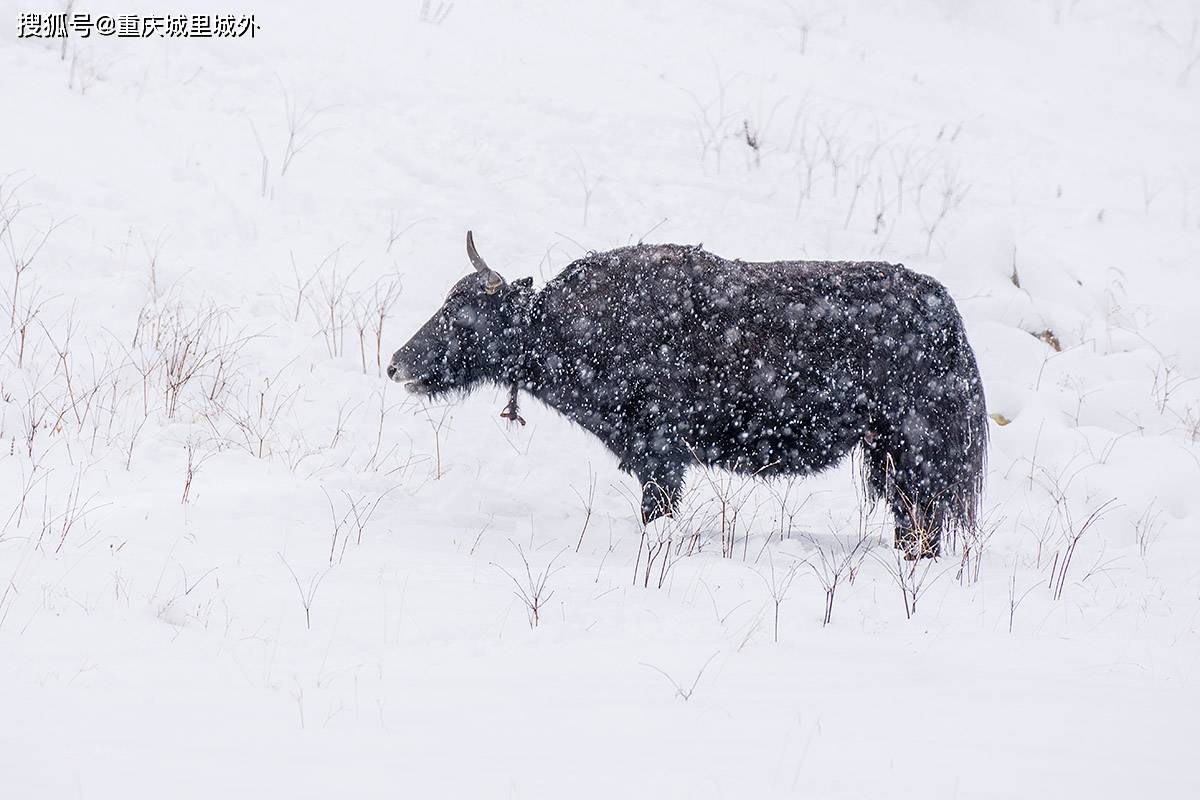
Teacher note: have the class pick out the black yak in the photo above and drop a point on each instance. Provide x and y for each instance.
(673, 356)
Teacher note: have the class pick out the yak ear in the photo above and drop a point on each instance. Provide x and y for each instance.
(523, 283)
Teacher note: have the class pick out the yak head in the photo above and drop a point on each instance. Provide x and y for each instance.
(471, 339)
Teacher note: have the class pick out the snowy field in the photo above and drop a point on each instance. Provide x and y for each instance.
(236, 561)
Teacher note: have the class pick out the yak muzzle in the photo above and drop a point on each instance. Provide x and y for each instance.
(412, 385)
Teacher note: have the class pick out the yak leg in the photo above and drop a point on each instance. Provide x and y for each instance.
(894, 472)
(662, 485)
(918, 517)
(915, 535)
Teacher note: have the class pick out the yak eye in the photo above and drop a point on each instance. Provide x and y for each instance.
(463, 316)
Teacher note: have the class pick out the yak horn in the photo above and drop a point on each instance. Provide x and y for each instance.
(493, 281)
(473, 254)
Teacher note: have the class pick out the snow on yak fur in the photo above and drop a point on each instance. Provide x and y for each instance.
(673, 356)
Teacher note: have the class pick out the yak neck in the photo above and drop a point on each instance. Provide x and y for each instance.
(518, 360)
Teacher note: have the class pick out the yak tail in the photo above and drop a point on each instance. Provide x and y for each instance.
(926, 449)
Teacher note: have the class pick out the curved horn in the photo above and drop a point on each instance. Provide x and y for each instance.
(493, 280)
(473, 254)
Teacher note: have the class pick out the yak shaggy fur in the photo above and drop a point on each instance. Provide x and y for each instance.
(673, 356)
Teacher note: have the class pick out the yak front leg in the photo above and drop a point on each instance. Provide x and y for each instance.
(662, 486)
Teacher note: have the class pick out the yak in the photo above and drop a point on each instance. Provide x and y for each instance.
(674, 356)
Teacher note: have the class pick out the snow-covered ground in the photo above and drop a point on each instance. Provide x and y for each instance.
(235, 561)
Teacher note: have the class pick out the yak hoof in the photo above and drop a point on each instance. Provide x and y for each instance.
(651, 512)
(654, 506)
(916, 547)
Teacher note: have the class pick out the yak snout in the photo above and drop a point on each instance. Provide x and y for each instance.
(406, 368)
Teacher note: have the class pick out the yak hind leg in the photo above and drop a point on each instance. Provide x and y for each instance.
(917, 531)
(916, 509)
